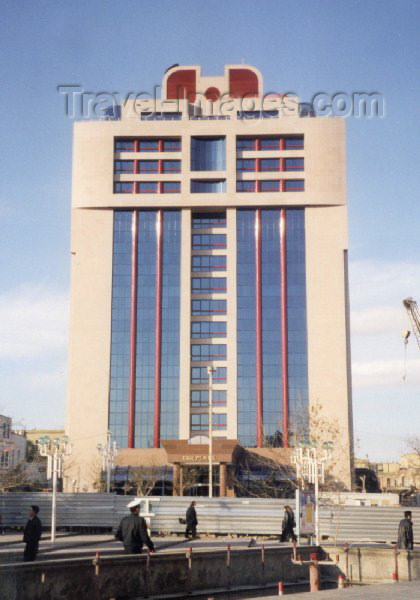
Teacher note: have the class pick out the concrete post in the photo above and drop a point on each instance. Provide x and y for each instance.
(314, 573)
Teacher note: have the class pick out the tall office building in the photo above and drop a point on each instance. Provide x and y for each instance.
(209, 228)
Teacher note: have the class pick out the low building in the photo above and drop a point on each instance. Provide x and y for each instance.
(400, 477)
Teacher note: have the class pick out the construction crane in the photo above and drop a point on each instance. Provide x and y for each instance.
(414, 314)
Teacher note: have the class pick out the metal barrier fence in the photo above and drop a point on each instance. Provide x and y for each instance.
(241, 516)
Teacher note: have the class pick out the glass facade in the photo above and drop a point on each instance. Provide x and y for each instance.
(201, 186)
(120, 338)
(246, 335)
(272, 376)
(146, 252)
(208, 241)
(207, 308)
(296, 321)
(204, 220)
(208, 154)
(171, 264)
(271, 325)
(200, 398)
(270, 185)
(146, 325)
(208, 329)
(208, 285)
(208, 263)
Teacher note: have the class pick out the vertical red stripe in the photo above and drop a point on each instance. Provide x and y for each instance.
(284, 332)
(160, 145)
(282, 164)
(136, 145)
(158, 330)
(133, 333)
(257, 144)
(258, 314)
(282, 144)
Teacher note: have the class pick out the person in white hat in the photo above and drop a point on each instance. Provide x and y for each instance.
(132, 531)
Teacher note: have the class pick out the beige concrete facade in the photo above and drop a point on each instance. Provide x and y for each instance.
(93, 205)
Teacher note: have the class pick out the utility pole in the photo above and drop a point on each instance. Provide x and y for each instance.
(211, 371)
(54, 450)
(108, 453)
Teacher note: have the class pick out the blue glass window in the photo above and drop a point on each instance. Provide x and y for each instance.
(271, 323)
(294, 185)
(123, 187)
(171, 166)
(120, 327)
(200, 422)
(245, 144)
(297, 320)
(205, 220)
(124, 166)
(201, 186)
(208, 352)
(147, 187)
(208, 263)
(245, 164)
(249, 114)
(270, 164)
(293, 164)
(200, 376)
(219, 421)
(270, 185)
(146, 325)
(270, 143)
(207, 308)
(148, 145)
(171, 269)
(208, 241)
(293, 143)
(200, 398)
(124, 145)
(148, 166)
(168, 116)
(245, 186)
(208, 154)
(246, 354)
(172, 145)
(208, 329)
(208, 285)
(171, 187)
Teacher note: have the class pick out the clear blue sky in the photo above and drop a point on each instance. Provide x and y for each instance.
(306, 47)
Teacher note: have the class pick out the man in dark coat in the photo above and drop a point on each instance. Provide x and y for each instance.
(192, 522)
(132, 531)
(405, 532)
(32, 534)
(288, 525)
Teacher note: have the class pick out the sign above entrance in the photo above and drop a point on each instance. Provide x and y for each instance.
(181, 451)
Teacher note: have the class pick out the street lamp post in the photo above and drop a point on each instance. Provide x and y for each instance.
(54, 450)
(310, 466)
(211, 371)
(108, 453)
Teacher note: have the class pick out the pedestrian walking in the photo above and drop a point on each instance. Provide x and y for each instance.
(192, 522)
(132, 531)
(32, 534)
(405, 532)
(288, 525)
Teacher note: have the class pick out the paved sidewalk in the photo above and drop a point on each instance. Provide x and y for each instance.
(389, 591)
